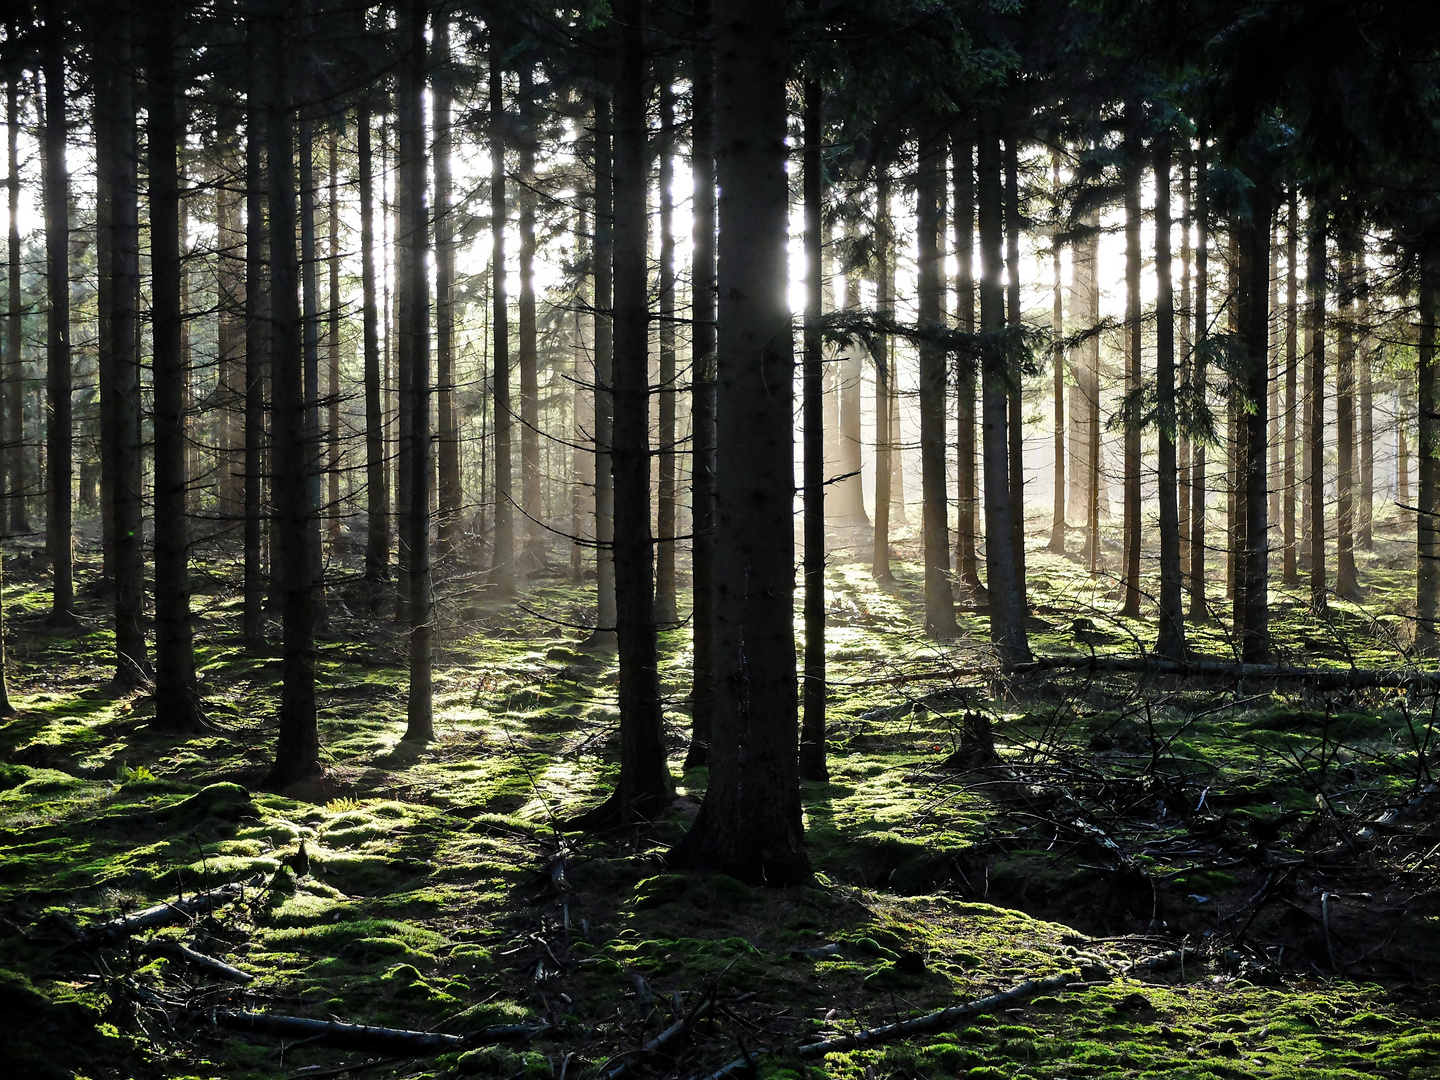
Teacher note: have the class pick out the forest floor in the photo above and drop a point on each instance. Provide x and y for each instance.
(1242, 877)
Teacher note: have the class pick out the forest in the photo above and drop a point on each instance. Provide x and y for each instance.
(705, 539)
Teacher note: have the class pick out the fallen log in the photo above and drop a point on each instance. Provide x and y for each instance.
(659, 1042)
(363, 1036)
(173, 950)
(117, 930)
(1198, 668)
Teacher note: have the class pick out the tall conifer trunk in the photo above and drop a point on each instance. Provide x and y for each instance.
(1057, 359)
(884, 384)
(297, 748)
(605, 598)
(59, 436)
(963, 215)
(1171, 641)
(127, 493)
(1133, 338)
(666, 458)
(15, 322)
(450, 495)
(702, 397)
(310, 335)
(935, 531)
(177, 699)
(1427, 520)
(750, 825)
(1199, 609)
(1007, 606)
(413, 237)
(1254, 323)
(377, 485)
(528, 355)
(257, 333)
(812, 729)
(1315, 380)
(502, 568)
(1291, 571)
(333, 459)
(1346, 579)
(1015, 402)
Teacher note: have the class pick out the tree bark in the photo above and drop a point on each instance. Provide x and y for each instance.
(297, 748)
(502, 567)
(230, 333)
(450, 494)
(310, 335)
(1133, 337)
(644, 786)
(884, 384)
(257, 335)
(1057, 359)
(333, 458)
(132, 665)
(702, 398)
(1315, 381)
(15, 324)
(666, 517)
(1007, 605)
(963, 215)
(1346, 580)
(528, 356)
(1015, 404)
(1254, 323)
(377, 484)
(100, 30)
(935, 531)
(59, 435)
(1364, 530)
(812, 730)
(1427, 520)
(1171, 641)
(177, 697)
(1291, 571)
(414, 300)
(750, 824)
(1199, 608)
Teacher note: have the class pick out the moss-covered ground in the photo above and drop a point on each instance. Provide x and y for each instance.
(1284, 841)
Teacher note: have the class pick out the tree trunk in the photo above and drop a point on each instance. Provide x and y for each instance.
(59, 464)
(963, 197)
(750, 824)
(1291, 570)
(502, 568)
(884, 379)
(1315, 381)
(257, 338)
(1187, 445)
(604, 260)
(177, 698)
(377, 493)
(644, 786)
(297, 749)
(1171, 642)
(1199, 608)
(333, 459)
(450, 494)
(702, 407)
(1007, 605)
(1427, 543)
(1133, 338)
(310, 306)
(1364, 530)
(414, 299)
(1015, 404)
(1085, 457)
(15, 324)
(101, 31)
(230, 331)
(1057, 358)
(666, 518)
(1346, 580)
(812, 730)
(935, 529)
(132, 666)
(1254, 319)
(528, 356)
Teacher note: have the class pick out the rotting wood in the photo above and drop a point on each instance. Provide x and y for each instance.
(363, 1036)
(173, 950)
(116, 930)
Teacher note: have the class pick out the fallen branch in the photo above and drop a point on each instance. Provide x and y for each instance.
(363, 1036)
(117, 930)
(941, 1020)
(659, 1042)
(173, 950)
(1344, 678)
